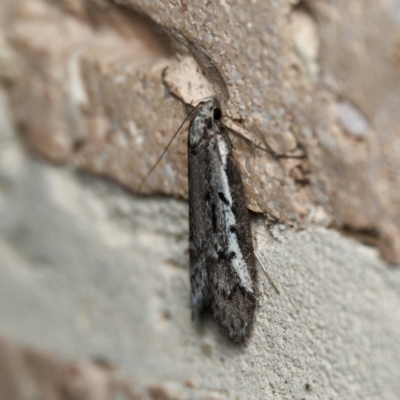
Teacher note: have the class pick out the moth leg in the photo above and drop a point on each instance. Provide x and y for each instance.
(267, 274)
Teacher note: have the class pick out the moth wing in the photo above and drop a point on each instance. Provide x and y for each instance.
(222, 268)
(232, 274)
(200, 233)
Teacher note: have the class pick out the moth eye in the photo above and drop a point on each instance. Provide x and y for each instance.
(217, 114)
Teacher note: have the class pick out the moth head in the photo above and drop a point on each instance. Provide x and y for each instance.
(212, 107)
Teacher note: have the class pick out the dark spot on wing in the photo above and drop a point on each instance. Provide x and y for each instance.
(207, 197)
(209, 123)
(223, 256)
(232, 229)
(223, 198)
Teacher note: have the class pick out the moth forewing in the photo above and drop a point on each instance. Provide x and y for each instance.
(222, 265)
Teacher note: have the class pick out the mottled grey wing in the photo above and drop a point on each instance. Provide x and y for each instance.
(233, 281)
(222, 266)
(200, 228)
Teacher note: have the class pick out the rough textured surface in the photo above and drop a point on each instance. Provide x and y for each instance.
(91, 271)
(317, 78)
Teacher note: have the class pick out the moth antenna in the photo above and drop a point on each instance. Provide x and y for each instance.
(287, 156)
(267, 274)
(250, 142)
(267, 148)
(164, 151)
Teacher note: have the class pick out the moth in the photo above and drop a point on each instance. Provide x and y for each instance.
(223, 274)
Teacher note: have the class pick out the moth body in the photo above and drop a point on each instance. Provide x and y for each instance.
(222, 264)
